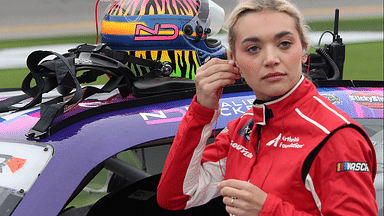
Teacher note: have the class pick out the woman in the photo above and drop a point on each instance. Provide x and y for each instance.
(283, 156)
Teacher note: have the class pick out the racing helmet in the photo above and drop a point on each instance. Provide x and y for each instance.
(174, 31)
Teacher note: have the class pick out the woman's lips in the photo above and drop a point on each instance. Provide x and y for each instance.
(273, 77)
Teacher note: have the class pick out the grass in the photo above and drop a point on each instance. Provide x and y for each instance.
(77, 39)
(366, 24)
(12, 78)
(364, 61)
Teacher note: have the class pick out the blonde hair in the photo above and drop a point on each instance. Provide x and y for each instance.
(247, 6)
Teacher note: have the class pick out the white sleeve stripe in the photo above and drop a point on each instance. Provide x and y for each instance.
(312, 121)
(190, 181)
(198, 179)
(210, 176)
(330, 109)
(311, 188)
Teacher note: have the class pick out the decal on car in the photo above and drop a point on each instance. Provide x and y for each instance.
(367, 99)
(13, 163)
(21, 164)
(332, 98)
(359, 105)
(229, 107)
(164, 116)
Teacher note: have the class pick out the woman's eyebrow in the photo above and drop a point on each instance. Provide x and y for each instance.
(282, 34)
(251, 39)
(277, 36)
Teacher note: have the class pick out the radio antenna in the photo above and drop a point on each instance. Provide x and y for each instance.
(336, 26)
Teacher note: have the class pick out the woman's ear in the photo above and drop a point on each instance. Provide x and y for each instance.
(304, 56)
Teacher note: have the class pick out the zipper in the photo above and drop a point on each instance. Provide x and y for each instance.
(258, 128)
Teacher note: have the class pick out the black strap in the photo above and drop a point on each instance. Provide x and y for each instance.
(120, 77)
(7, 104)
(49, 110)
(60, 73)
(57, 106)
(157, 68)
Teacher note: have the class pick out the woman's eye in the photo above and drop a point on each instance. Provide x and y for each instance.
(253, 49)
(285, 44)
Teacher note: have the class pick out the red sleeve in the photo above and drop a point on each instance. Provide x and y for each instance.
(342, 175)
(340, 178)
(182, 173)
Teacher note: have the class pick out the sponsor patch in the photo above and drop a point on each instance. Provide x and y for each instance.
(352, 166)
(247, 130)
(285, 142)
(241, 149)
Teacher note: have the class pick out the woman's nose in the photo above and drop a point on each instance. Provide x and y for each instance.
(270, 57)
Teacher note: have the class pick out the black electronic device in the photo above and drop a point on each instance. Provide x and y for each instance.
(336, 50)
(328, 63)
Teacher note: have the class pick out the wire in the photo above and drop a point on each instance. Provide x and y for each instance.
(318, 45)
(309, 62)
(97, 24)
(336, 70)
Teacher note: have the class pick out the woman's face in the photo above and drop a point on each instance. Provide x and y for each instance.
(268, 52)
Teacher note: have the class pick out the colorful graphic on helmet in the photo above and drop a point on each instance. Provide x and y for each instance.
(184, 63)
(152, 7)
(165, 30)
(141, 32)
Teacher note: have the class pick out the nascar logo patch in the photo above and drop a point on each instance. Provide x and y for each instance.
(352, 166)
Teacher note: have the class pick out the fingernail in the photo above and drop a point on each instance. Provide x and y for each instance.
(231, 62)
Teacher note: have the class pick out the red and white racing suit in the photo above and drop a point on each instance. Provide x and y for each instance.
(270, 152)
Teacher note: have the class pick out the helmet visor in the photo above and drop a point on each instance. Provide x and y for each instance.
(210, 15)
(216, 16)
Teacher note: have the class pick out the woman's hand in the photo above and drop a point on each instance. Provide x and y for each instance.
(242, 198)
(211, 78)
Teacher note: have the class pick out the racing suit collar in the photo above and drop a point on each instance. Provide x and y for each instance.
(287, 94)
(264, 111)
